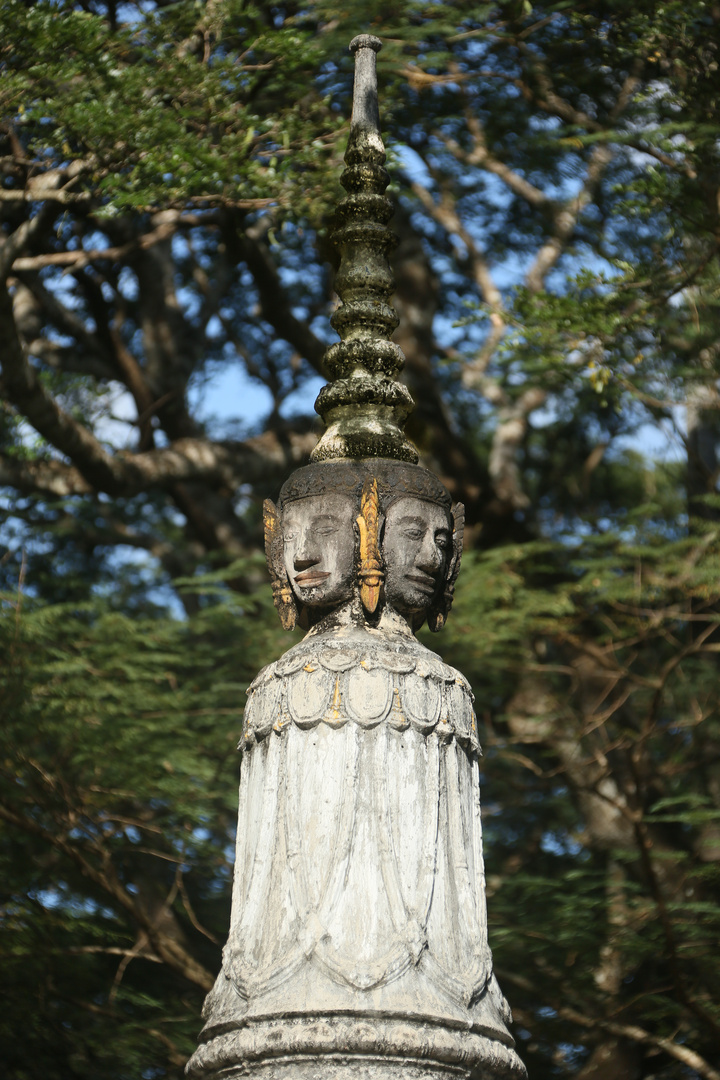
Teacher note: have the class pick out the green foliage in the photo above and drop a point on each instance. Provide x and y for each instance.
(130, 101)
(118, 794)
(555, 169)
(638, 613)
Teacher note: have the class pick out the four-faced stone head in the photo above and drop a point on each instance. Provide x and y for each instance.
(363, 535)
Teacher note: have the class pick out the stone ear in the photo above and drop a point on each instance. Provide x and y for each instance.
(437, 616)
(371, 574)
(282, 593)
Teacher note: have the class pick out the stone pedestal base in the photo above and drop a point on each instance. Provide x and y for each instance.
(358, 944)
(343, 1068)
(341, 1048)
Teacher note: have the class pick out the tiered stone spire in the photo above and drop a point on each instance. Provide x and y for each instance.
(365, 407)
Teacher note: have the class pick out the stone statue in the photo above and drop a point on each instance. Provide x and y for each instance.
(358, 939)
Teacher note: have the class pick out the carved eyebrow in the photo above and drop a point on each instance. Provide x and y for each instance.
(321, 519)
(413, 521)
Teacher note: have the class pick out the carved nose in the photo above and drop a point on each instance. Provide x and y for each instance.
(430, 558)
(303, 561)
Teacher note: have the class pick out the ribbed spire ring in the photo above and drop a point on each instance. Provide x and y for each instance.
(364, 407)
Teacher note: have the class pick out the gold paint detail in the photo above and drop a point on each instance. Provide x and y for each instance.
(371, 573)
(334, 713)
(397, 708)
(282, 593)
(336, 700)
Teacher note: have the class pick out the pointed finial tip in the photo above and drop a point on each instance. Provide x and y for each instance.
(365, 113)
(365, 41)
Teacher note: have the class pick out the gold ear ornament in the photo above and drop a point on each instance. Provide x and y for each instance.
(282, 592)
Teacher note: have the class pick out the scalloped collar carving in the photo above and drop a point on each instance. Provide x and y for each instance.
(364, 676)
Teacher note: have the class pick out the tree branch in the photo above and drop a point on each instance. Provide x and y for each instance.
(81, 258)
(22, 236)
(623, 1031)
(637, 1034)
(446, 215)
(26, 392)
(565, 219)
(184, 461)
(480, 155)
(42, 477)
(169, 950)
(33, 303)
(118, 474)
(507, 440)
(274, 305)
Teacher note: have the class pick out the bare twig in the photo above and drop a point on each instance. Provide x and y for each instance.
(624, 1031)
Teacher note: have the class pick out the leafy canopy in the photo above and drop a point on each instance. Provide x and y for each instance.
(168, 172)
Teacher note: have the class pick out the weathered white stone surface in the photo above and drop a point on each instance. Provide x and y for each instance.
(358, 941)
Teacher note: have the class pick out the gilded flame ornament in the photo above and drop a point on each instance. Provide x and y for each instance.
(371, 573)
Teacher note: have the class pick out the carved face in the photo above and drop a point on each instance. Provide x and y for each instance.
(319, 548)
(416, 548)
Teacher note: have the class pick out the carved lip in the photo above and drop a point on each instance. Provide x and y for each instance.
(311, 577)
(424, 582)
